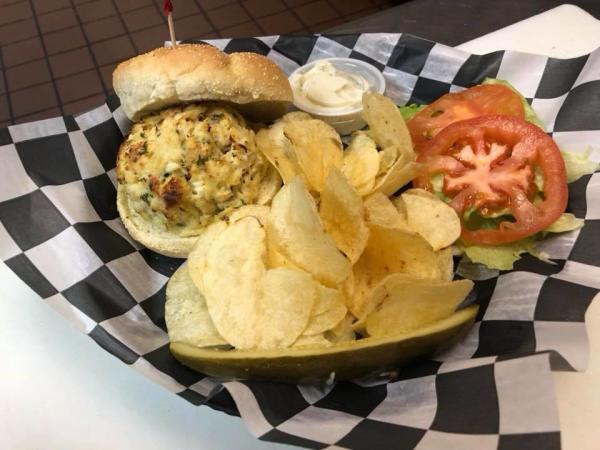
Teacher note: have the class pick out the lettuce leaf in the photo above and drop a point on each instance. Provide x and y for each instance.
(504, 256)
(409, 111)
(566, 222)
(501, 257)
(530, 114)
(578, 164)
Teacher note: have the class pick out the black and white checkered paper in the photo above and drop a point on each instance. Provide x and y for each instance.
(60, 232)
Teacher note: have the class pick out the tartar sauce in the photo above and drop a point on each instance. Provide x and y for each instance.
(326, 87)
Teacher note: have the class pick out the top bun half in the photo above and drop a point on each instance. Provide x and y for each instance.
(197, 72)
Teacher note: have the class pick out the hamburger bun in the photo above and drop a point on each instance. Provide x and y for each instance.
(187, 73)
(161, 241)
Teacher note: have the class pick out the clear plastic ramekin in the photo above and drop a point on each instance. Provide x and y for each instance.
(344, 120)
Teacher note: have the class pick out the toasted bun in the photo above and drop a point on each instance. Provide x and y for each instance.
(196, 72)
(168, 244)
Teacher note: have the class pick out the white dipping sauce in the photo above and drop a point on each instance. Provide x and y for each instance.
(327, 87)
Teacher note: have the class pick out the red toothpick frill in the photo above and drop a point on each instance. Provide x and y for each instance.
(168, 9)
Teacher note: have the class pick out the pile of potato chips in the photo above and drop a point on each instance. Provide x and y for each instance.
(333, 258)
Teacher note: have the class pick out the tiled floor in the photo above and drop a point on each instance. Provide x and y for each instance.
(57, 56)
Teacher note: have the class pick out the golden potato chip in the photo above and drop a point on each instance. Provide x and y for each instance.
(313, 340)
(386, 125)
(361, 163)
(445, 264)
(285, 307)
(277, 260)
(296, 116)
(389, 250)
(368, 290)
(401, 173)
(413, 303)
(346, 287)
(269, 186)
(258, 211)
(318, 148)
(197, 257)
(232, 282)
(328, 311)
(342, 213)
(401, 207)
(253, 307)
(342, 332)
(433, 219)
(387, 157)
(381, 212)
(401, 251)
(186, 313)
(326, 300)
(295, 230)
(279, 151)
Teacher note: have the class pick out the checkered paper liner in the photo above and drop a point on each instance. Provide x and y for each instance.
(60, 233)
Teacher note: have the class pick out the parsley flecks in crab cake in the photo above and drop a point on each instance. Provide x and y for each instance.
(191, 158)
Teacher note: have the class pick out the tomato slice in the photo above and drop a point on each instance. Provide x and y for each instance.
(473, 102)
(488, 166)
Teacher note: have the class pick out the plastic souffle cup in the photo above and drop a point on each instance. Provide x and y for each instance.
(345, 120)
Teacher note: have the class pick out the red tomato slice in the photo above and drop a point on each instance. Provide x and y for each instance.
(489, 163)
(473, 102)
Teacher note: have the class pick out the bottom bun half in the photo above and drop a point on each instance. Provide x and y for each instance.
(160, 241)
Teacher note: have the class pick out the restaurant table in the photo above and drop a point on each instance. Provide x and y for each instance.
(59, 390)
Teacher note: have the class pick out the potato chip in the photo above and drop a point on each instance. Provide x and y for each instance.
(276, 260)
(367, 293)
(313, 340)
(387, 157)
(389, 250)
(386, 125)
(318, 148)
(373, 295)
(197, 257)
(295, 230)
(232, 281)
(328, 311)
(342, 213)
(401, 207)
(186, 313)
(433, 219)
(402, 251)
(413, 303)
(296, 116)
(346, 287)
(326, 300)
(285, 307)
(269, 186)
(361, 163)
(279, 151)
(445, 263)
(257, 211)
(381, 212)
(342, 332)
(401, 173)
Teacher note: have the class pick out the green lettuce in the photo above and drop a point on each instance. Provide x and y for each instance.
(409, 111)
(530, 114)
(501, 257)
(566, 222)
(578, 164)
(504, 256)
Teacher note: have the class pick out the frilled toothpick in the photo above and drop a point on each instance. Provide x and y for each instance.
(168, 9)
